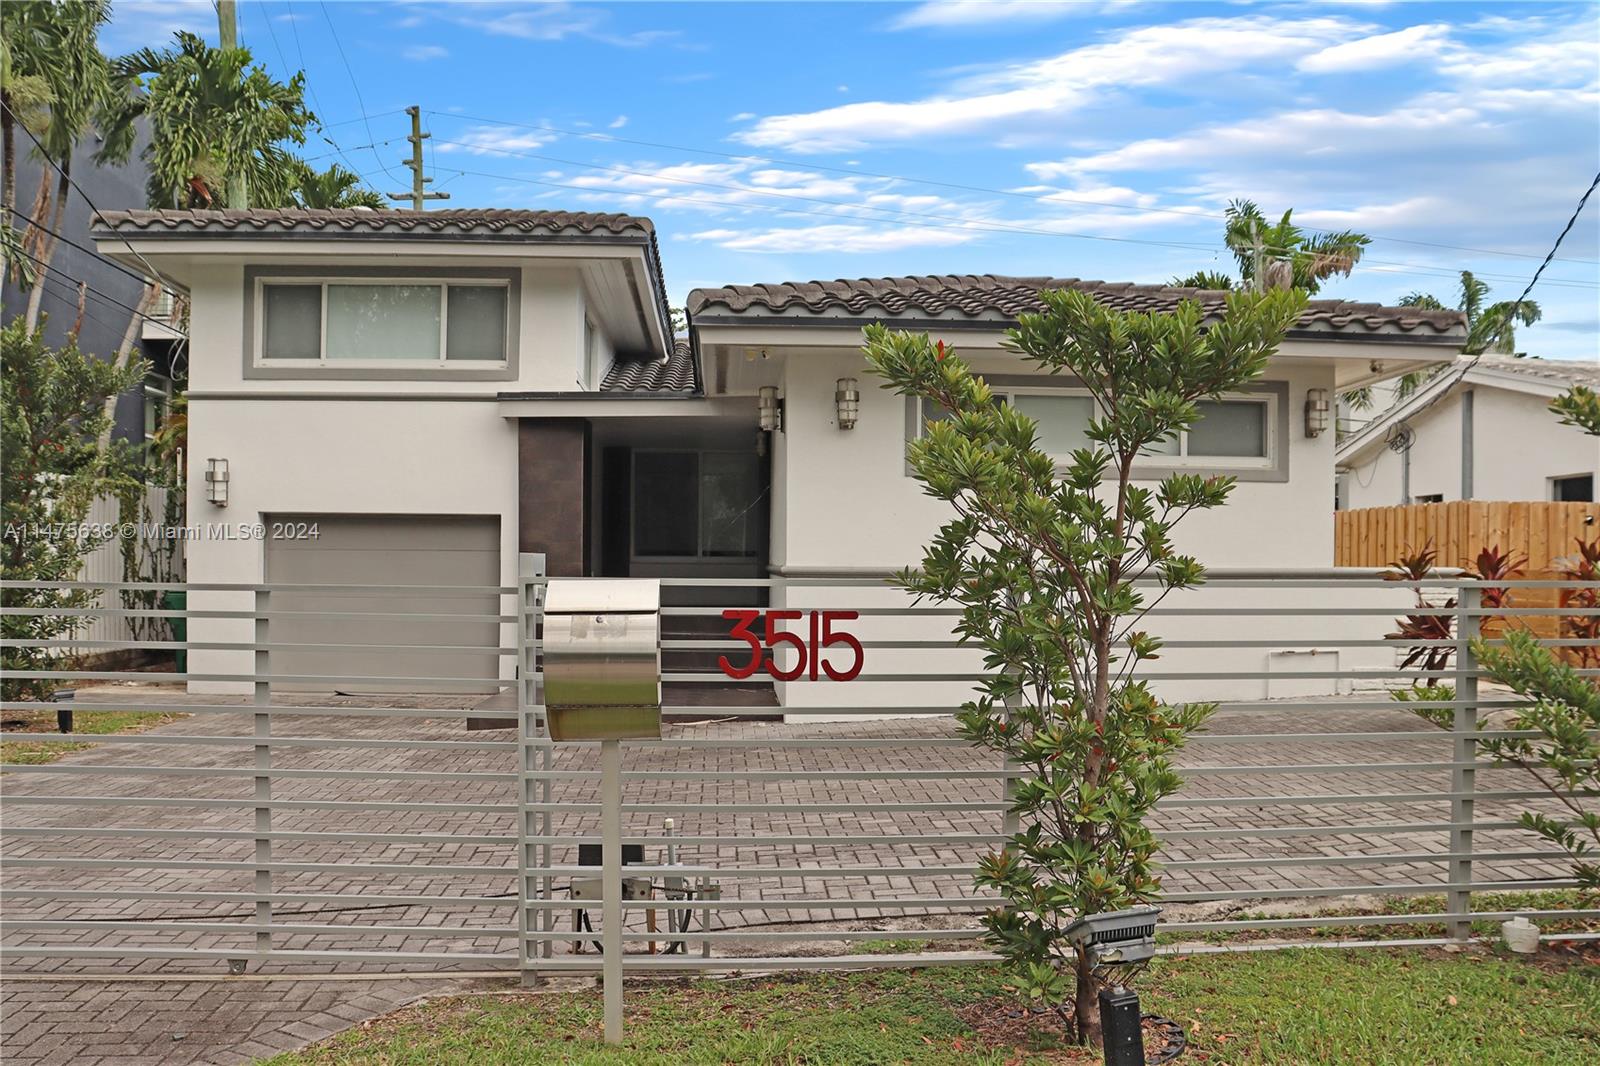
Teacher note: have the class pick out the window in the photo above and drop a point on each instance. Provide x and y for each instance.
(383, 321)
(1234, 432)
(690, 504)
(1578, 488)
(1429, 497)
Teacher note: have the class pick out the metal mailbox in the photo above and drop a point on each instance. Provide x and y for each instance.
(602, 658)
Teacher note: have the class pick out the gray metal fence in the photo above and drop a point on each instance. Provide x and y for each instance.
(301, 832)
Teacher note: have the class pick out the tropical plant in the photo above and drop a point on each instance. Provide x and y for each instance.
(213, 116)
(1045, 565)
(52, 467)
(1579, 406)
(1564, 757)
(1584, 566)
(1428, 625)
(58, 86)
(331, 188)
(1490, 328)
(1285, 256)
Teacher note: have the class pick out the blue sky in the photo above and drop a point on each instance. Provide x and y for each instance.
(788, 141)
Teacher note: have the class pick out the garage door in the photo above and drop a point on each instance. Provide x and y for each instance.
(390, 552)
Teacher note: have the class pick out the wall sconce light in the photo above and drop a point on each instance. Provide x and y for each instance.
(769, 415)
(1316, 412)
(846, 402)
(217, 482)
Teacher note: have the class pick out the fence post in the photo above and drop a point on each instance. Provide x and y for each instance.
(532, 757)
(1464, 751)
(263, 760)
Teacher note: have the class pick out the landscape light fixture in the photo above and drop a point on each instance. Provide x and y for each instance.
(1316, 412)
(846, 402)
(1120, 944)
(769, 415)
(217, 482)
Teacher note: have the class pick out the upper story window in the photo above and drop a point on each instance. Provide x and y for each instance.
(372, 322)
(1237, 432)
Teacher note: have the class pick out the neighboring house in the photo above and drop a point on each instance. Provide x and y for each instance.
(1481, 432)
(435, 392)
(114, 289)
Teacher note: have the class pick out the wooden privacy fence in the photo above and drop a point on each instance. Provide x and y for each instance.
(1539, 531)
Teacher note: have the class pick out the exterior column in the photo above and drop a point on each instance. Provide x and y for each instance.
(553, 493)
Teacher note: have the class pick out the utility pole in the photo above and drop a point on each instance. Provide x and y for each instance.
(418, 194)
(238, 187)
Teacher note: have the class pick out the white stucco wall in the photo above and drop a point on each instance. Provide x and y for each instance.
(335, 457)
(1518, 446)
(850, 502)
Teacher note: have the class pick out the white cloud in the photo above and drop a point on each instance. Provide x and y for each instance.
(618, 122)
(423, 52)
(943, 14)
(137, 25)
(493, 140)
(1045, 89)
(832, 238)
(553, 21)
(1412, 44)
(743, 116)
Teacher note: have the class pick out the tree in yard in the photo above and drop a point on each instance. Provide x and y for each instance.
(52, 404)
(1579, 406)
(1047, 566)
(1564, 755)
(1285, 256)
(213, 115)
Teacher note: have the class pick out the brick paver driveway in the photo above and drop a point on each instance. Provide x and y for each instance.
(60, 1009)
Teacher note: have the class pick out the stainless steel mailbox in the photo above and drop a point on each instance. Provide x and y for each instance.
(602, 658)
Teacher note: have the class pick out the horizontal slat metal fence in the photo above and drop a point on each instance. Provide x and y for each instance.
(298, 832)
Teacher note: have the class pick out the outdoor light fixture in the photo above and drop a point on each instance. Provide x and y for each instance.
(217, 482)
(768, 414)
(846, 402)
(1316, 412)
(1120, 944)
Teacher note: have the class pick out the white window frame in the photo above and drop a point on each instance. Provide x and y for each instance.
(157, 387)
(1179, 460)
(260, 358)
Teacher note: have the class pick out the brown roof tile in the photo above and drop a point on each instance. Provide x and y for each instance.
(257, 221)
(990, 296)
(678, 373)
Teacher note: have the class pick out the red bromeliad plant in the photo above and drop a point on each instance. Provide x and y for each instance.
(1434, 658)
(1584, 566)
(1492, 565)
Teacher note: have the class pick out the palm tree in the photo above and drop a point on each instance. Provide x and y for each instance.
(57, 84)
(334, 187)
(213, 115)
(1288, 257)
(1489, 329)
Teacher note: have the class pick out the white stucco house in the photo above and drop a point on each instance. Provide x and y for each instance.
(1483, 431)
(436, 392)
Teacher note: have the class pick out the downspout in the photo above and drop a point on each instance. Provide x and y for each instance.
(1405, 476)
(1466, 444)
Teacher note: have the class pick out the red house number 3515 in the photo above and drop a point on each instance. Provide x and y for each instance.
(810, 655)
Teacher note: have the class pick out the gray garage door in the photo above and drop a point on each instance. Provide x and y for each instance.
(390, 551)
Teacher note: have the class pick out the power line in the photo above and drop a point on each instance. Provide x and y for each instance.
(1045, 197)
(317, 103)
(1559, 238)
(74, 183)
(361, 104)
(51, 272)
(112, 263)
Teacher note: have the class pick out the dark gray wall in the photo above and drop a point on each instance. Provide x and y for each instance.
(104, 318)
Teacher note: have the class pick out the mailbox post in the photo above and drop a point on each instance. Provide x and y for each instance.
(602, 681)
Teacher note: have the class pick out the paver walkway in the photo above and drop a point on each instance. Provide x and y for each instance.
(184, 1010)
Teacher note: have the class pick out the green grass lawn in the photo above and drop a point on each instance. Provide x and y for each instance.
(33, 752)
(1297, 1006)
